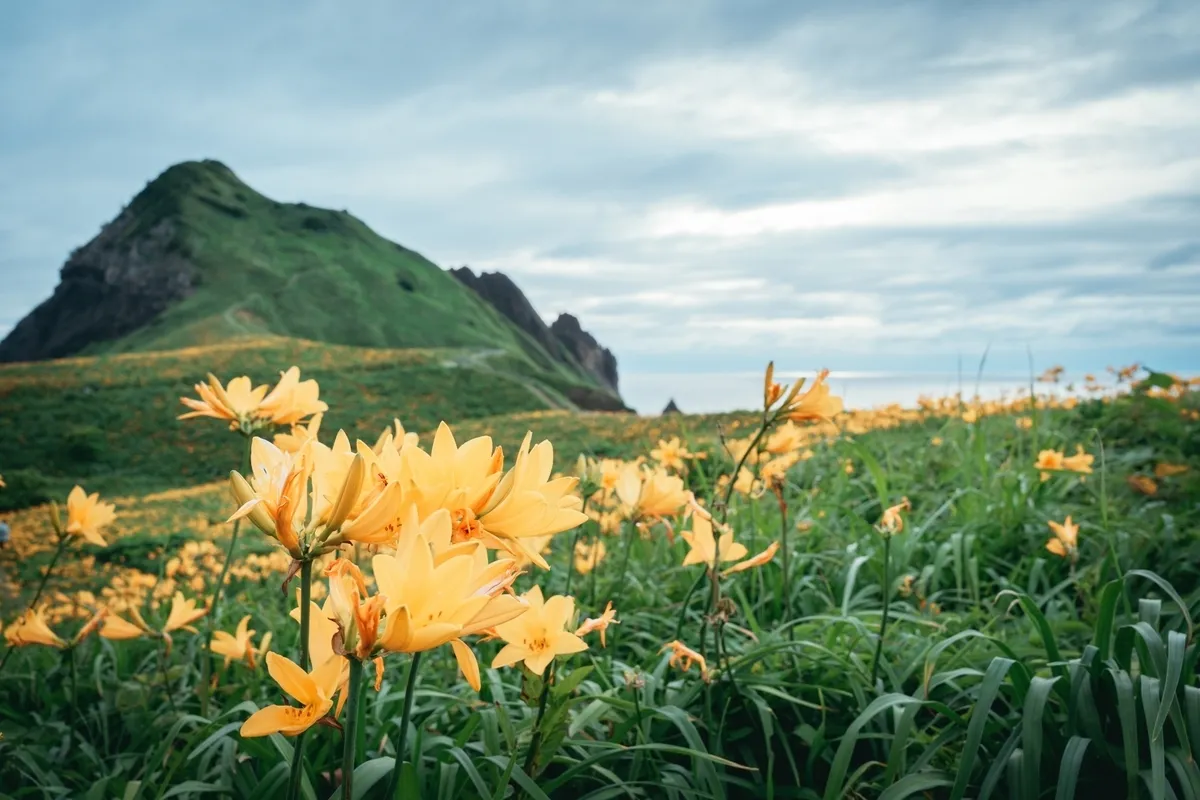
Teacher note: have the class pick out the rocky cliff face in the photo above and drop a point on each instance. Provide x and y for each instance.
(597, 360)
(115, 284)
(565, 338)
(507, 298)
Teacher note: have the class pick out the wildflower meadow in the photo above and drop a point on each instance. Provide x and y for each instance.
(968, 598)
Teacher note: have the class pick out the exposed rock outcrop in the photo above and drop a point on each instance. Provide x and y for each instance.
(597, 360)
(113, 285)
(564, 340)
(507, 298)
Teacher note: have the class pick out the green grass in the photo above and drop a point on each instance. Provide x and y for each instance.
(289, 269)
(109, 421)
(1004, 673)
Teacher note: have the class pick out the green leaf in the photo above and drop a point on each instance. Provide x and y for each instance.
(1031, 731)
(1158, 767)
(917, 783)
(1109, 597)
(571, 682)
(1068, 768)
(988, 690)
(836, 785)
(194, 786)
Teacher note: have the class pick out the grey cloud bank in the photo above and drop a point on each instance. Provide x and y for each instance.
(707, 185)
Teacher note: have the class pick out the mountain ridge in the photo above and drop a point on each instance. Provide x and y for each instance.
(199, 257)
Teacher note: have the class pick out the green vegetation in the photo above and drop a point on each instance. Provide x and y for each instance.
(1005, 671)
(293, 270)
(109, 421)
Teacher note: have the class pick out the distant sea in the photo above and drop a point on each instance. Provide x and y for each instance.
(707, 392)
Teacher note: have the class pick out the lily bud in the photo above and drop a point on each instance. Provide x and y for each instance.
(249, 505)
(351, 489)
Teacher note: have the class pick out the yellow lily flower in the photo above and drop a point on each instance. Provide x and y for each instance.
(650, 493)
(817, 404)
(239, 646)
(684, 657)
(754, 561)
(31, 628)
(1080, 462)
(183, 613)
(527, 503)
(395, 437)
(313, 690)
(357, 615)
(891, 522)
(117, 628)
(300, 435)
(431, 601)
(86, 515)
(322, 628)
(601, 623)
(312, 501)
(237, 402)
(1065, 541)
(292, 400)
(1049, 461)
(540, 634)
(671, 454)
(704, 546)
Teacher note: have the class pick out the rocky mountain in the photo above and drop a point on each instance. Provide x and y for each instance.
(564, 338)
(199, 257)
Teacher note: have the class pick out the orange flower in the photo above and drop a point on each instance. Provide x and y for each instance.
(1065, 541)
(756, 560)
(1142, 485)
(1047, 461)
(1165, 470)
(601, 623)
(1080, 462)
(684, 657)
(817, 404)
(86, 515)
(891, 522)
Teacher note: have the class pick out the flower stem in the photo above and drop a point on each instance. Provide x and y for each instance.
(535, 741)
(683, 609)
(297, 776)
(630, 529)
(402, 735)
(162, 668)
(214, 606)
(62, 544)
(305, 602)
(353, 721)
(783, 544)
(887, 597)
(70, 654)
(571, 559)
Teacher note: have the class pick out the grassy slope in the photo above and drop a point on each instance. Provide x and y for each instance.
(293, 270)
(109, 421)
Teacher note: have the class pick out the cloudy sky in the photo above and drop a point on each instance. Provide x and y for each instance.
(874, 185)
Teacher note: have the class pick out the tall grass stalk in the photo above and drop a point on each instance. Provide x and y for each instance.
(887, 598)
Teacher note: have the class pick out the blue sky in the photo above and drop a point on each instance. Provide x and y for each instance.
(868, 185)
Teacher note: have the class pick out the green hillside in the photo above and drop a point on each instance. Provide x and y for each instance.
(294, 270)
(198, 257)
(109, 420)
